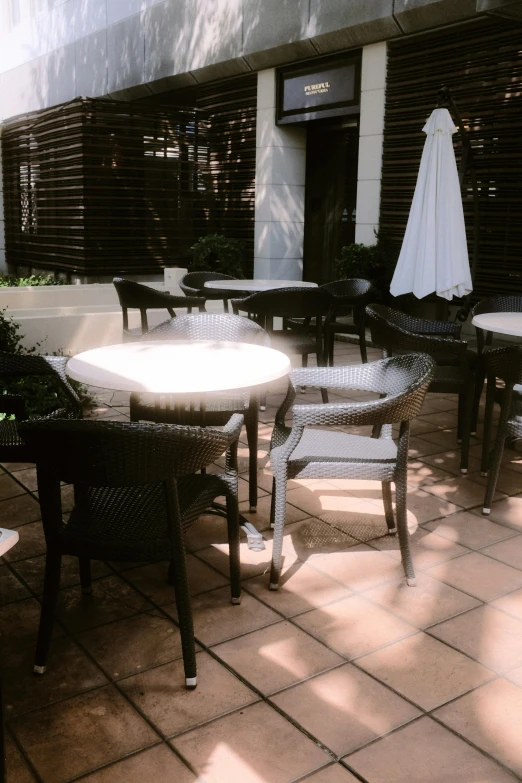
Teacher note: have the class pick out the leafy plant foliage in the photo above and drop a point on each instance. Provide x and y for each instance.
(13, 280)
(217, 253)
(375, 263)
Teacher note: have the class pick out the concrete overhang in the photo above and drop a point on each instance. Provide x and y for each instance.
(509, 9)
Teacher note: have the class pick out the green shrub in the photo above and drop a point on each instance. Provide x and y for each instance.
(41, 395)
(218, 253)
(375, 263)
(13, 280)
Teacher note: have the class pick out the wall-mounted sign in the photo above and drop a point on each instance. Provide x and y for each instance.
(315, 91)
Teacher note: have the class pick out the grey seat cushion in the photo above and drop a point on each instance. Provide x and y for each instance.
(330, 446)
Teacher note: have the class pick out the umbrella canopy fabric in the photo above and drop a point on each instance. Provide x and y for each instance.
(434, 253)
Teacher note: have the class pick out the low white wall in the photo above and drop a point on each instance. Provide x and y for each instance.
(74, 318)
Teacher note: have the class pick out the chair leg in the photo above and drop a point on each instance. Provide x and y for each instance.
(498, 451)
(85, 575)
(362, 344)
(178, 574)
(461, 412)
(279, 506)
(488, 421)
(233, 548)
(466, 428)
(53, 564)
(329, 340)
(225, 305)
(388, 507)
(272, 505)
(304, 363)
(402, 529)
(251, 424)
(479, 386)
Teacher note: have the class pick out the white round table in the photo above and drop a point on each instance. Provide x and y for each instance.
(254, 286)
(501, 323)
(179, 367)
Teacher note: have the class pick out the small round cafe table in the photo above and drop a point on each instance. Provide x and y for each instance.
(500, 323)
(255, 286)
(184, 367)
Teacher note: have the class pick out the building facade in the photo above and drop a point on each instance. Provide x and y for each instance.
(299, 173)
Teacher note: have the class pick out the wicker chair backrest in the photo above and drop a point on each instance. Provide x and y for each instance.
(195, 281)
(389, 331)
(505, 363)
(287, 303)
(351, 289)
(498, 304)
(118, 454)
(210, 326)
(138, 296)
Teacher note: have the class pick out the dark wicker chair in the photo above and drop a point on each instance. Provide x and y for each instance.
(193, 284)
(218, 407)
(399, 333)
(136, 493)
(13, 366)
(301, 452)
(505, 364)
(350, 298)
(135, 296)
(495, 304)
(300, 303)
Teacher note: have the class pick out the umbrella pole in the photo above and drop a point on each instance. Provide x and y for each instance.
(445, 100)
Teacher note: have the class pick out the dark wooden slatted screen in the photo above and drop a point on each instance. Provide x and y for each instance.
(481, 63)
(231, 107)
(99, 187)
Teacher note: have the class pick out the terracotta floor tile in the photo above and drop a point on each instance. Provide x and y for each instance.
(510, 603)
(445, 438)
(234, 749)
(515, 676)
(506, 512)
(9, 488)
(19, 510)
(17, 770)
(151, 579)
(132, 645)
(423, 507)
(301, 588)
(82, 733)
(425, 752)
(261, 519)
(461, 491)
(69, 673)
(276, 657)
(478, 575)
(345, 708)
(427, 548)
(12, 467)
(335, 773)
(11, 589)
(425, 670)
(19, 625)
(469, 529)
(32, 571)
(509, 552)
(509, 481)
(161, 695)
(216, 619)
(27, 477)
(420, 447)
(157, 765)
(441, 419)
(429, 602)
(491, 718)
(111, 599)
(450, 461)
(419, 474)
(354, 626)
(360, 567)
(206, 531)
(321, 499)
(31, 543)
(491, 637)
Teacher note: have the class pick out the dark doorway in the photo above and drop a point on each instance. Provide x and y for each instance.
(331, 193)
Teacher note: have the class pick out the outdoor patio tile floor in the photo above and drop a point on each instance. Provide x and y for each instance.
(345, 674)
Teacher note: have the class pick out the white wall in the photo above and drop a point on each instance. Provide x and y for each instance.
(280, 186)
(373, 82)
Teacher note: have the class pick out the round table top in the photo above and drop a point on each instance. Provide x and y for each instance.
(254, 286)
(179, 367)
(502, 323)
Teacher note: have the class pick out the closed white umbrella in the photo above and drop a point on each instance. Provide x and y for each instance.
(434, 253)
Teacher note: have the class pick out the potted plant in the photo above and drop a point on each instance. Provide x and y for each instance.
(217, 253)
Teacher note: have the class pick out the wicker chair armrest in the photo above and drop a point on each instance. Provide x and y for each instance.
(233, 427)
(429, 327)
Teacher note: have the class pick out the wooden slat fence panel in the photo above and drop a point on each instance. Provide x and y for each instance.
(481, 63)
